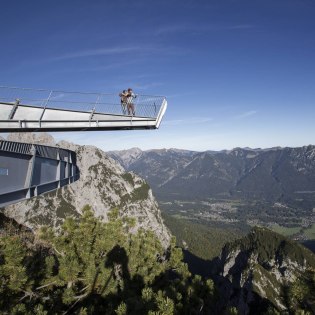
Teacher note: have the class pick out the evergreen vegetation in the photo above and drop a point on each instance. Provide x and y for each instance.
(91, 267)
(301, 295)
(128, 177)
(266, 243)
(199, 239)
(268, 250)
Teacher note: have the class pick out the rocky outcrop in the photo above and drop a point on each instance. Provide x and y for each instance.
(104, 184)
(257, 269)
(35, 138)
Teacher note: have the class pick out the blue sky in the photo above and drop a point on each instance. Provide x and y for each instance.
(235, 73)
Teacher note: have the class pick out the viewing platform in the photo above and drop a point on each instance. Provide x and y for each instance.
(36, 110)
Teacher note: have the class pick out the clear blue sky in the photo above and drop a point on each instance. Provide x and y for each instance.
(236, 73)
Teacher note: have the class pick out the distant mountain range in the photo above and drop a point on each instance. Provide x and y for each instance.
(261, 273)
(271, 174)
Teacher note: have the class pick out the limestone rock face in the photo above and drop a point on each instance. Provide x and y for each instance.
(104, 184)
(36, 138)
(259, 267)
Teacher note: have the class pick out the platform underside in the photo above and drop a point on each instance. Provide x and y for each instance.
(25, 118)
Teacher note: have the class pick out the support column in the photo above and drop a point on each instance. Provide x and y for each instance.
(30, 171)
(58, 169)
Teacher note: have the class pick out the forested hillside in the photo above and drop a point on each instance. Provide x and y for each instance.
(204, 241)
(116, 256)
(92, 267)
(241, 187)
(264, 271)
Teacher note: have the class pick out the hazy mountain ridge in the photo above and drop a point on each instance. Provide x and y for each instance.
(103, 184)
(157, 166)
(126, 157)
(242, 173)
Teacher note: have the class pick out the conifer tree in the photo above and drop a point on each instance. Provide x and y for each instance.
(92, 267)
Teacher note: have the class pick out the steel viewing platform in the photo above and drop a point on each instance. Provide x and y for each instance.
(36, 110)
(28, 170)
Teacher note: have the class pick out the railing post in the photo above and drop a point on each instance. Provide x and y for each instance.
(91, 115)
(161, 112)
(15, 106)
(45, 105)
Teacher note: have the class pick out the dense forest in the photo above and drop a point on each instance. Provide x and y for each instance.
(92, 267)
(204, 241)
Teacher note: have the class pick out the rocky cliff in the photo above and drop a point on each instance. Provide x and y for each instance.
(263, 269)
(104, 184)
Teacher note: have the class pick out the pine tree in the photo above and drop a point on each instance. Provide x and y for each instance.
(94, 267)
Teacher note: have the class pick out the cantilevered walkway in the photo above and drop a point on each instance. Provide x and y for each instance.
(30, 110)
(28, 170)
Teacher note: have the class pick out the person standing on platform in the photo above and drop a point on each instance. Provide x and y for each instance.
(123, 101)
(130, 104)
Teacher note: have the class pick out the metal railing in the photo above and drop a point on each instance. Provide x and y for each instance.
(145, 105)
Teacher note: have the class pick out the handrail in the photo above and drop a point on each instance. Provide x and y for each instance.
(64, 91)
(146, 105)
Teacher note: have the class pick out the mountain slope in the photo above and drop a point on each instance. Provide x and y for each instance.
(156, 166)
(263, 269)
(103, 185)
(270, 174)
